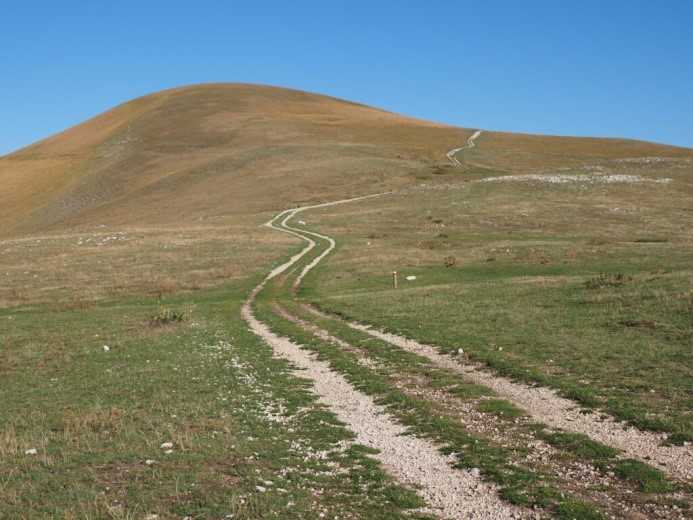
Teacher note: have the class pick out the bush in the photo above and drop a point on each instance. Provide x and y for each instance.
(608, 280)
(166, 316)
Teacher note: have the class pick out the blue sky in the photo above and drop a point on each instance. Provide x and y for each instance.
(606, 68)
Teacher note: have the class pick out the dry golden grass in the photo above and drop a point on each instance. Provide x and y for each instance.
(216, 150)
(524, 153)
(207, 151)
(76, 270)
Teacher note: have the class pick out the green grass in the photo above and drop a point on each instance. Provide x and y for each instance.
(580, 444)
(550, 284)
(236, 416)
(576, 511)
(396, 364)
(648, 479)
(517, 484)
(554, 334)
(500, 407)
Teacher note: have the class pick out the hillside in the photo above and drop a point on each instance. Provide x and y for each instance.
(502, 332)
(200, 152)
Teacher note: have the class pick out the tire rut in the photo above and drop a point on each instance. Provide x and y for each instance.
(545, 405)
(449, 492)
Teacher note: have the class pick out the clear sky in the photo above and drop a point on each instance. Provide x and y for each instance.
(606, 68)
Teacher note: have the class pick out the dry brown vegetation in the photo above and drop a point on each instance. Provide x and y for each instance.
(75, 270)
(148, 198)
(207, 151)
(210, 151)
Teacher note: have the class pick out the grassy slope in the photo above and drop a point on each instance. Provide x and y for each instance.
(214, 150)
(187, 175)
(230, 149)
(519, 295)
(236, 417)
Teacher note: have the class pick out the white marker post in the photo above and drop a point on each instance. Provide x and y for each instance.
(394, 279)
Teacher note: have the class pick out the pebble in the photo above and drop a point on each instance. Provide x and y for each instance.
(166, 445)
(31, 451)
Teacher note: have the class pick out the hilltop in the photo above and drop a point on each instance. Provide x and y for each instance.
(203, 151)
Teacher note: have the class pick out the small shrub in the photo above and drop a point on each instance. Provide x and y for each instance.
(167, 316)
(651, 240)
(646, 324)
(608, 280)
(450, 261)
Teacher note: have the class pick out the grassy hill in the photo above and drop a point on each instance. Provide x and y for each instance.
(134, 389)
(223, 149)
(204, 150)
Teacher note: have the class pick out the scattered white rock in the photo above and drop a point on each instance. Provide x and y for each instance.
(261, 489)
(460, 351)
(475, 472)
(579, 179)
(149, 462)
(410, 278)
(166, 445)
(106, 348)
(168, 452)
(31, 451)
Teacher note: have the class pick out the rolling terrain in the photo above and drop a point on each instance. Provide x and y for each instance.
(165, 354)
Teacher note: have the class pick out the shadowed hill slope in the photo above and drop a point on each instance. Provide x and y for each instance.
(205, 151)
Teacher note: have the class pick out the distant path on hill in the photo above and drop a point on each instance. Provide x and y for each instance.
(470, 144)
(451, 493)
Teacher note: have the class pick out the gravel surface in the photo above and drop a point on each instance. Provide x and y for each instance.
(547, 406)
(449, 492)
(415, 462)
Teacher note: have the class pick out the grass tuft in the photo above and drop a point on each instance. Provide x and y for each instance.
(168, 316)
(500, 407)
(605, 280)
(649, 479)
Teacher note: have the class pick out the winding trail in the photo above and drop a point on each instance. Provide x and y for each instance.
(542, 403)
(450, 493)
(470, 144)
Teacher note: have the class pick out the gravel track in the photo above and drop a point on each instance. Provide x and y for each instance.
(470, 144)
(545, 405)
(579, 477)
(450, 493)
